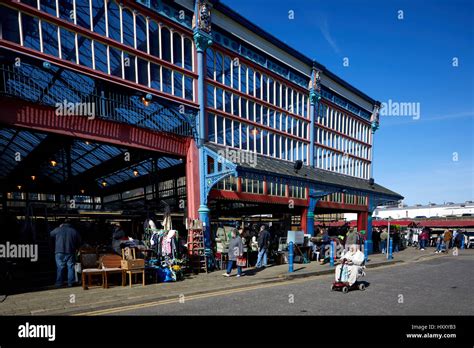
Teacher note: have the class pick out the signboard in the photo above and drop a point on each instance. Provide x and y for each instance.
(297, 237)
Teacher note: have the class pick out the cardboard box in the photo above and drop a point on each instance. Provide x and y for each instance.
(133, 264)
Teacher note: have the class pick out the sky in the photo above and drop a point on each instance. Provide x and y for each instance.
(419, 52)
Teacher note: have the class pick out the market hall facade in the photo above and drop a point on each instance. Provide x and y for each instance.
(179, 105)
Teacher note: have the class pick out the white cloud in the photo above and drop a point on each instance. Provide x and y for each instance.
(324, 27)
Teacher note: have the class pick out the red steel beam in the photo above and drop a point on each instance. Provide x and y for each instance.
(93, 73)
(256, 198)
(261, 69)
(339, 206)
(43, 118)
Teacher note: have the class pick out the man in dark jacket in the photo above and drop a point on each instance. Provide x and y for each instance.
(263, 244)
(68, 241)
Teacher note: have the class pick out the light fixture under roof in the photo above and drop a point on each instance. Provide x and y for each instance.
(104, 183)
(53, 163)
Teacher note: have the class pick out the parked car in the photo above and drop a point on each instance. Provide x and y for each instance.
(469, 239)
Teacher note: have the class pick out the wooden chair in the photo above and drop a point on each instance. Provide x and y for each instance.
(110, 264)
(130, 254)
(135, 272)
(89, 267)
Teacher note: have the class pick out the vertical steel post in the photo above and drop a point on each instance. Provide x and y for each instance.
(331, 254)
(390, 248)
(366, 250)
(290, 257)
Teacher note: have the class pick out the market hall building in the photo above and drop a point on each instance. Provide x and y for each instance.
(121, 109)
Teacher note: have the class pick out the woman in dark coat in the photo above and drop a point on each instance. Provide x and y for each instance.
(236, 249)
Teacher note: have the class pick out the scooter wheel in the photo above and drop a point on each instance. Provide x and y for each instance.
(345, 290)
(333, 288)
(361, 286)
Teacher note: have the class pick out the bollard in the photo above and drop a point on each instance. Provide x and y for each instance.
(390, 248)
(366, 251)
(290, 257)
(331, 254)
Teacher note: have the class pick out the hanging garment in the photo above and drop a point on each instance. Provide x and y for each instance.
(156, 243)
(149, 227)
(167, 224)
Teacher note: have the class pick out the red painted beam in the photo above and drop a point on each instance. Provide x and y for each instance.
(43, 118)
(95, 36)
(340, 206)
(255, 198)
(342, 152)
(261, 69)
(344, 111)
(255, 124)
(256, 100)
(93, 73)
(319, 125)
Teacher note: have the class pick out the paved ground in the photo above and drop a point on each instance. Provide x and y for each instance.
(441, 286)
(75, 300)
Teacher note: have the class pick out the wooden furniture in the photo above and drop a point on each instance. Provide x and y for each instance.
(135, 272)
(110, 264)
(89, 267)
(196, 250)
(131, 265)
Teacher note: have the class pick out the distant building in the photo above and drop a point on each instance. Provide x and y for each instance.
(426, 211)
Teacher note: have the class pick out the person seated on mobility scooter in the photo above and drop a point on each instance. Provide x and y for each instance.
(349, 271)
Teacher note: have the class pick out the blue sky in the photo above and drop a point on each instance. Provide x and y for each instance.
(407, 60)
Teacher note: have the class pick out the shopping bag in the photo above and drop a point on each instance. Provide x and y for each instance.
(241, 261)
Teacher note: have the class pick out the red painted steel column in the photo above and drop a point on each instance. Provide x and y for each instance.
(362, 219)
(239, 185)
(304, 220)
(192, 179)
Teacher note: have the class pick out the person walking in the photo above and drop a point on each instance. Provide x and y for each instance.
(236, 249)
(352, 237)
(424, 237)
(448, 235)
(457, 241)
(324, 247)
(376, 239)
(383, 240)
(396, 241)
(439, 244)
(67, 242)
(263, 244)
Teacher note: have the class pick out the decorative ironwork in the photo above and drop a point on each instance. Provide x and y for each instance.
(202, 40)
(377, 200)
(315, 86)
(222, 168)
(374, 118)
(204, 16)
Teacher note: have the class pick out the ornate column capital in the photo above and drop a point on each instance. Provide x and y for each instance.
(202, 40)
(202, 16)
(374, 118)
(315, 86)
(202, 25)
